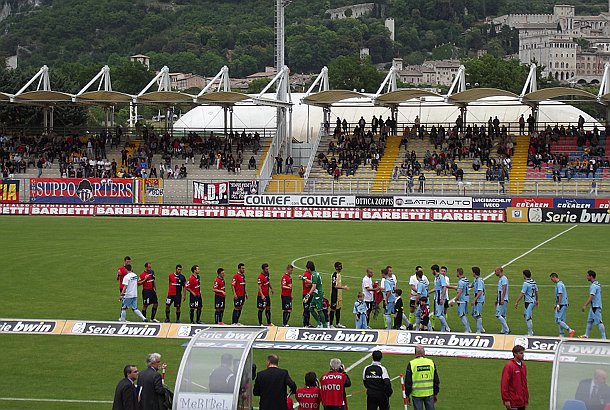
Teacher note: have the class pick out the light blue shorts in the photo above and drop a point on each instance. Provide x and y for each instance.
(477, 309)
(130, 303)
(501, 309)
(561, 314)
(595, 316)
(462, 308)
(439, 310)
(529, 310)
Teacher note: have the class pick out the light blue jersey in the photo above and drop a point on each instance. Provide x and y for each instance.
(560, 289)
(529, 290)
(439, 284)
(389, 286)
(477, 286)
(501, 282)
(463, 285)
(422, 290)
(595, 289)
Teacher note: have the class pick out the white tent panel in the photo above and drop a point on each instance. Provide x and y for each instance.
(431, 111)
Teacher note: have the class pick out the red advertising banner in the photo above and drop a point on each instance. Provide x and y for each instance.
(280, 212)
(530, 202)
(602, 203)
(83, 191)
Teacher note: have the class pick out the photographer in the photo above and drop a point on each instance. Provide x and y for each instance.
(332, 386)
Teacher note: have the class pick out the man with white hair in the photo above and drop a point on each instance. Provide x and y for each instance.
(151, 392)
(332, 386)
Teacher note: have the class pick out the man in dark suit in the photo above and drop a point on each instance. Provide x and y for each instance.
(595, 393)
(125, 395)
(270, 385)
(151, 391)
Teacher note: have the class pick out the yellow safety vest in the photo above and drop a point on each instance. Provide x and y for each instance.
(423, 377)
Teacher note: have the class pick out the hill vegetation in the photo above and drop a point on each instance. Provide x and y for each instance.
(200, 36)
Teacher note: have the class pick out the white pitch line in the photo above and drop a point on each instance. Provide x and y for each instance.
(532, 250)
(366, 356)
(55, 400)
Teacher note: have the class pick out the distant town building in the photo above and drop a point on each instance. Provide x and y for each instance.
(182, 81)
(354, 11)
(433, 72)
(142, 59)
(570, 48)
(391, 26)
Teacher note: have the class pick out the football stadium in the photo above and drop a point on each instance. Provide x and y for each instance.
(461, 236)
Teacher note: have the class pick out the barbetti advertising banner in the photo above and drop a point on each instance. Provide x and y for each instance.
(83, 191)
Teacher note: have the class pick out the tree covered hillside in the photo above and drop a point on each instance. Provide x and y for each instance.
(202, 35)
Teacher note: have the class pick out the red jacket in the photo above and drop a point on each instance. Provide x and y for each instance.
(514, 384)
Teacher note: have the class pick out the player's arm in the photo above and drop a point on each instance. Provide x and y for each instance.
(286, 285)
(118, 274)
(233, 283)
(536, 297)
(559, 300)
(260, 287)
(476, 297)
(184, 293)
(587, 302)
(270, 287)
(459, 293)
(519, 298)
(188, 288)
(504, 290)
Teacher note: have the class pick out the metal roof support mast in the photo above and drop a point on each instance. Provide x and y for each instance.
(283, 136)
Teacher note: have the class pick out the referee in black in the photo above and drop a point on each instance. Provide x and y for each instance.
(377, 383)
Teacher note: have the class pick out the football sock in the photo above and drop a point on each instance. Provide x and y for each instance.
(268, 316)
(260, 317)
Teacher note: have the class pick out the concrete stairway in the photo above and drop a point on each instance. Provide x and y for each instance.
(519, 164)
(386, 164)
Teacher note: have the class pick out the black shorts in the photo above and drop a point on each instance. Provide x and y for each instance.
(263, 302)
(286, 302)
(219, 302)
(369, 305)
(149, 297)
(239, 301)
(446, 304)
(196, 302)
(412, 303)
(306, 304)
(175, 299)
(333, 303)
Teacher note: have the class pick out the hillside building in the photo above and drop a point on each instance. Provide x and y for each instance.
(570, 48)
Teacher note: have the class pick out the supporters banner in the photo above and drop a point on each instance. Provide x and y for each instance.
(31, 326)
(151, 191)
(375, 201)
(301, 200)
(519, 215)
(437, 202)
(213, 193)
(133, 329)
(9, 191)
(573, 203)
(83, 191)
(582, 216)
(526, 202)
(239, 189)
(602, 203)
(491, 203)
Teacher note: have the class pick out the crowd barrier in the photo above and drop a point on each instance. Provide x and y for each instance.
(492, 346)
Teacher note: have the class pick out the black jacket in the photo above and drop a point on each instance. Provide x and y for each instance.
(377, 380)
(270, 385)
(152, 392)
(125, 396)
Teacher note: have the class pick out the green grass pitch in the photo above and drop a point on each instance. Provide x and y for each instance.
(65, 268)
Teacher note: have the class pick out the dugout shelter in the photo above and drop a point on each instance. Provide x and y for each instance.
(577, 369)
(217, 370)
